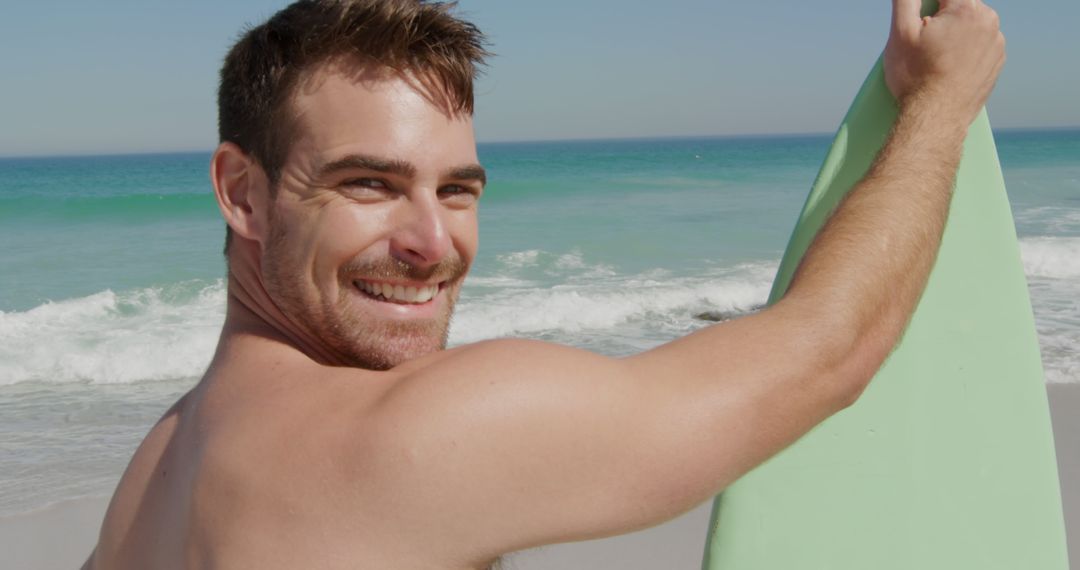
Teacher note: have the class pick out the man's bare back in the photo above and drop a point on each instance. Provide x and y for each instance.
(332, 429)
(275, 461)
(266, 471)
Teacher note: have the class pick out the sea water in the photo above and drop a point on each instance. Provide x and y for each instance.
(111, 289)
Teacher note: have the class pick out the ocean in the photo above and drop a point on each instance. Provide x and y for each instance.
(112, 292)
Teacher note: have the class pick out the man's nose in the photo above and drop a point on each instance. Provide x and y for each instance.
(421, 237)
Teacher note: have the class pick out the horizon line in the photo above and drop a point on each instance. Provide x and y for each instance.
(629, 138)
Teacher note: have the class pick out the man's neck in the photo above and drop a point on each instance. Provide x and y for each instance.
(252, 311)
(252, 316)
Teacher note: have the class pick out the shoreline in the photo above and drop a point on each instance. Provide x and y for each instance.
(61, 535)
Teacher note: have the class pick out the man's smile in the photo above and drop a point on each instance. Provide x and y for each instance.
(402, 293)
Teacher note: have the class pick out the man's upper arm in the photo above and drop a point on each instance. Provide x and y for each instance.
(511, 444)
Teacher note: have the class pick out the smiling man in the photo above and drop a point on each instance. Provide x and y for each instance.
(374, 222)
(332, 429)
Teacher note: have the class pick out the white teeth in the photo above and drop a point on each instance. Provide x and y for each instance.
(400, 293)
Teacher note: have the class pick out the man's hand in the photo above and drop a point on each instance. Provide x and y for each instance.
(952, 57)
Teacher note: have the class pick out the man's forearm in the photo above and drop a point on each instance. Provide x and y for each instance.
(867, 268)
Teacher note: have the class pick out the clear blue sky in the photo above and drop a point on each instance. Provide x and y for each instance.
(140, 76)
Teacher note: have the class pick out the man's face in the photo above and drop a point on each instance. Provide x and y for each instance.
(374, 224)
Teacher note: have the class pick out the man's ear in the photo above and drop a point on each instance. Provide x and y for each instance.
(242, 191)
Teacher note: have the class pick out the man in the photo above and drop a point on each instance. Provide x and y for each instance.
(332, 430)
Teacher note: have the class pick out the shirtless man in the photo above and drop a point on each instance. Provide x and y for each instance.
(333, 431)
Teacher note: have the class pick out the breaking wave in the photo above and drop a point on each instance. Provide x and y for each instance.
(169, 333)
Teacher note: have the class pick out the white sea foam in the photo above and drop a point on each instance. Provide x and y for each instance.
(169, 333)
(1052, 265)
(1061, 360)
(147, 334)
(603, 304)
(572, 262)
(1052, 257)
(520, 258)
(498, 281)
(1053, 220)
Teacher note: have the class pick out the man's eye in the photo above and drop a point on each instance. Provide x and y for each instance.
(458, 192)
(364, 183)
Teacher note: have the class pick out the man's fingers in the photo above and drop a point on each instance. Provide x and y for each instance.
(906, 15)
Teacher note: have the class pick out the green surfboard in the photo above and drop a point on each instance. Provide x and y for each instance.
(947, 461)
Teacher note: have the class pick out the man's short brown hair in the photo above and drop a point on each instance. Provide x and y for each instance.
(262, 70)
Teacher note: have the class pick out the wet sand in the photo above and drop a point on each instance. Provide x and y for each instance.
(1065, 408)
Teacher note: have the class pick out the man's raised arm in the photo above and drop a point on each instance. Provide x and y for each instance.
(524, 443)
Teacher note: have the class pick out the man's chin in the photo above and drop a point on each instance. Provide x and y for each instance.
(392, 350)
(378, 335)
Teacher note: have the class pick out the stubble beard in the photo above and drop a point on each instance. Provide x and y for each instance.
(356, 339)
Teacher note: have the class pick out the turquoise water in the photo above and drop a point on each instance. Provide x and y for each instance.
(111, 294)
(129, 221)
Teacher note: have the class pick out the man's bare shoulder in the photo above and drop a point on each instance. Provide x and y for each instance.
(140, 495)
(382, 412)
(503, 360)
(497, 376)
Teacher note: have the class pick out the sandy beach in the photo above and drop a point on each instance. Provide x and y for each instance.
(60, 536)
(1065, 407)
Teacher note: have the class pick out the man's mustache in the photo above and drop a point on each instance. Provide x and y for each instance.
(391, 268)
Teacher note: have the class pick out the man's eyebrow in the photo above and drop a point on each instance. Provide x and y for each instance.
(368, 162)
(469, 172)
(394, 166)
